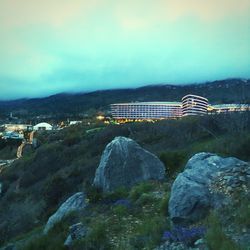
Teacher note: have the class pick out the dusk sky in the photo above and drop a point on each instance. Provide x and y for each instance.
(52, 46)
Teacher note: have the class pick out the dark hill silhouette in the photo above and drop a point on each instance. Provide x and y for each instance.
(224, 91)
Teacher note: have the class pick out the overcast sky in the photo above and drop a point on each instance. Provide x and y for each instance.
(51, 46)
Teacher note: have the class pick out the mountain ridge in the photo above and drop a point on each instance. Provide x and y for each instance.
(217, 92)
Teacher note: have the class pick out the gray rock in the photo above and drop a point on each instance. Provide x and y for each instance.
(228, 177)
(72, 204)
(191, 197)
(242, 178)
(125, 163)
(76, 231)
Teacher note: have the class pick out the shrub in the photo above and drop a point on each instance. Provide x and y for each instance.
(173, 161)
(149, 234)
(52, 241)
(94, 194)
(138, 190)
(54, 190)
(120, 210)
(145, 199)
(215, 237)
(243, 213)
(96, 239)
(71, 140)
(119, 193)
(163, 205)
(27, 179)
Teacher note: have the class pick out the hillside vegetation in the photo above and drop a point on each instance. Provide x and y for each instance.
(66, 160)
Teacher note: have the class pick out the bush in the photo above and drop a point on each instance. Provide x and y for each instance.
(145, 199)
(119, 193)
(52, 241)
(149, 234)
(173, 161)
(120, 210)
(138, 190)
(54, 190)
(95, 240)
(93, 194)
(163, 205)
(71, 140)
(215, 237)
(243, 213)
(27, 179)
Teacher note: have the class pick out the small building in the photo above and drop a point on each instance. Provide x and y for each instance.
(42, 126)
(74, 123)
(13, 135)
(18, 127)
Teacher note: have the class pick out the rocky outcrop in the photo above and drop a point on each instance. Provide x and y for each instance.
(207, 182)
(74, 203)
(125, 163)
(76, 232)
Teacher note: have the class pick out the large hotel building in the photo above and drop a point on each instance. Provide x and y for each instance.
(146, 110)
(190, 105)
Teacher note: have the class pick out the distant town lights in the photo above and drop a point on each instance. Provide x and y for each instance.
(100, 117)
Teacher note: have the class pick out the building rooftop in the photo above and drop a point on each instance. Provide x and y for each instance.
(148, 103)
(236, 105)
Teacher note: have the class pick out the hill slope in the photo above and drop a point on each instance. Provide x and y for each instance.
(225, 91)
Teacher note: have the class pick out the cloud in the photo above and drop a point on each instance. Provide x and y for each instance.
(89, 44)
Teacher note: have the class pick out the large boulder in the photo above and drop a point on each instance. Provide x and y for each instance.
(125, 163)
(73, 204)
(207, 182)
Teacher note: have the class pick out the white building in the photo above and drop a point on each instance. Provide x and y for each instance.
(227, 108)
(194, 105)
(17, 127)
(43, 126)
(74, 123)
(146, 110)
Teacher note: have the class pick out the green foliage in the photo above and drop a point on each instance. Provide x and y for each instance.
(61, 154)
(119, 193)
(137, 191)
(93, 193)
(71, 140)
(173, 161)
(163, 205)
(120, 210)
(52, 241)
(96, 239)
(27, 179)
(215, 237)
(148, 234)
(54, 190)
(242, 213)
(8, 148)
(145, 199)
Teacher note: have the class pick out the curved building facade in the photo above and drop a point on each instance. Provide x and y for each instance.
(146, 110)
(194, 105)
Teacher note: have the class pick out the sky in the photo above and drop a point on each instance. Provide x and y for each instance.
(53, 46)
